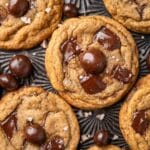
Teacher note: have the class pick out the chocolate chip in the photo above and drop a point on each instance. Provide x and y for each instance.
(92, 84)
(102, 138)
(122, 74)
(35, 134)
(70, 48)
(18, 8)
(9, 125)
(70, 10)
(20, 66)
(56, 143)
(148, 61)
(3, 13)
(140, 122)
(8, 82)
(93, 61)
(108, 39)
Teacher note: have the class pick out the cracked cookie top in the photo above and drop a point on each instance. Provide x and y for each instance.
(135, 116)
(92, 61)
(32, 118)
(26, 23)
(134, 14)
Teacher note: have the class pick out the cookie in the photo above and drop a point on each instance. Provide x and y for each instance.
(135, 116)
(91, 61)
(26, 23)
(110, 147)
(133, 14)
(34, 119)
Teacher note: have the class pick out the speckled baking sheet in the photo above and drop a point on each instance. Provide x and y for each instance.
(90, 121)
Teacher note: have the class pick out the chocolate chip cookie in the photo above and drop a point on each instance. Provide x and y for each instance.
(34, 119)
(110, 147)
(26, 23)
(91, 61)
(134, 14)
(135, 116)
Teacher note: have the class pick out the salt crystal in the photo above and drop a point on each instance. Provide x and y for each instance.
(44, 44)
(115, 137)
(65, 128)
(30, 119)
(26, 20)
(100, 116)
(47, 10)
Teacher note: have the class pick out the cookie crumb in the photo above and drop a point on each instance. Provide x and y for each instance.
(47, 10)
(44, 44)
(115, 137)
(100, 116)
(26, 20)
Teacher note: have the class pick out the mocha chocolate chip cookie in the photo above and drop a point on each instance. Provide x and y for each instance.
(92, 61)
(134, 14)
(110, 147)
(135, 116)
(26, 23)
(33, 119)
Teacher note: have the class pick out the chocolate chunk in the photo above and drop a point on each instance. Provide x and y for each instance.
(20, 66)
(102, 138)
(70, 48)
(108, 39)
(8, 82)
(18, 8)
(35, 134)
(9, 125)
(56, 143)
(93, 61)
(122, 74)
(92, 84)
(140, 122)
(148, 61)
(3, 13)
(70, 10)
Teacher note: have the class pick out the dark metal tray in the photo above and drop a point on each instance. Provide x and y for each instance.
(90, 121)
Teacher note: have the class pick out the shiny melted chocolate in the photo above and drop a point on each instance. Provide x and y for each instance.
(9, 125)
(140, 122)
(18, 8)
(122, 74)
(102, 138)
(108, 39)
(70, 49)
(93, 61)
(56, 143)
(92, 84)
